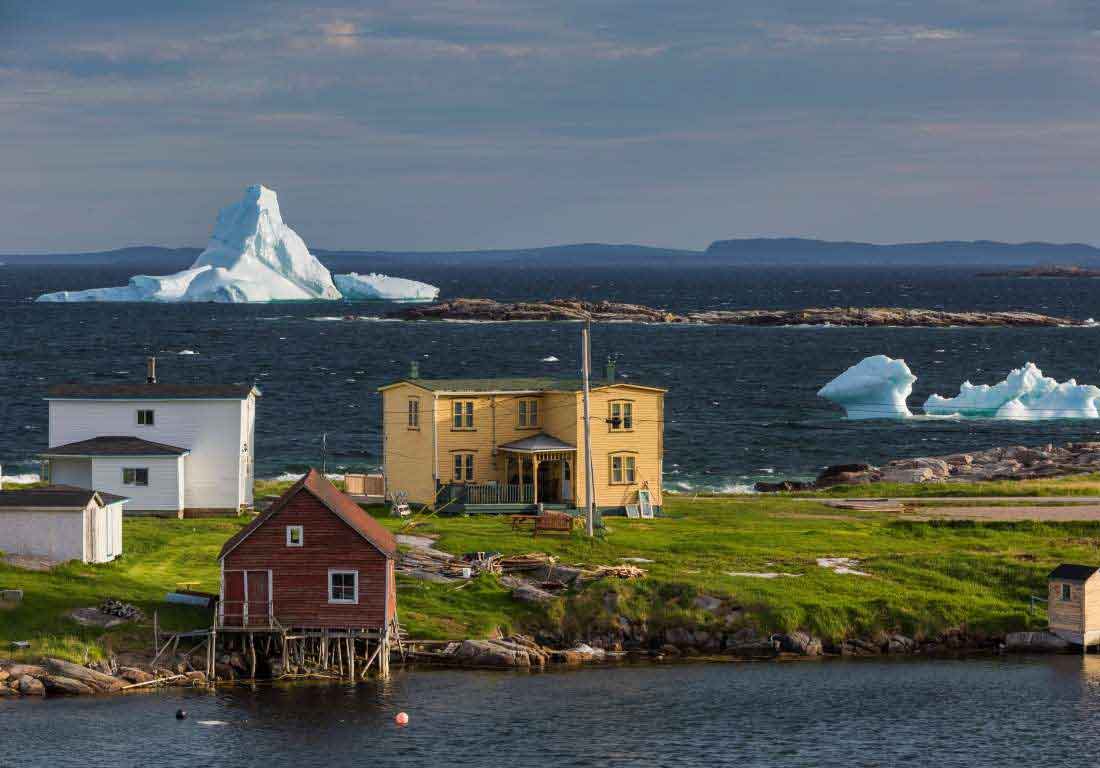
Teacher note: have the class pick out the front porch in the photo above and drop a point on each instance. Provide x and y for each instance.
(532, 471)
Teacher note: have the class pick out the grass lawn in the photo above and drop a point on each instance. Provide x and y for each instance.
(924, 576)
(1071, 485)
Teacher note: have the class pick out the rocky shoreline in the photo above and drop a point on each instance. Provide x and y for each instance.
(616, 312)
(1016, 462)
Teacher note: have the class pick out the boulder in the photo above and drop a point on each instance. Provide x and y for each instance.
(846, 474)
(87, 676)
(679, 636)
(484, 653)
(196, 676)
(858, 647)
(801, 643)
(920, 475)
(4, 675)
(755, 649)
(900, 644)
(529, 593)
(31, 686)
(18, 670)
(938, 467)
(670, 650)
(66, 685)
(134, 675)
(707, 603)
(6, 690)
(581, 654)
(959, 459)
(782, 486)
(1036, 642)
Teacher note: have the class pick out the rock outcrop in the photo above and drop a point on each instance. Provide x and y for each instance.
(1015, 462)
(611, 311)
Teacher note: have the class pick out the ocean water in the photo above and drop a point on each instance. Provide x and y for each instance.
(741, 403)
(966, 714)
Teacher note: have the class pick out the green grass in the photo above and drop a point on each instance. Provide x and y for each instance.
(1073, 485)
(925, 576)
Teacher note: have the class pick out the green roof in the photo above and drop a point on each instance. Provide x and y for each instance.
(537, 384)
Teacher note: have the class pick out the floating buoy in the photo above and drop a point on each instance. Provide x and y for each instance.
(401, 718)
(181, 715)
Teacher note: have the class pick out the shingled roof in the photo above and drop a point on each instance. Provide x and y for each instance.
(1071, 572)
(120, 445)
(55, 496)
(337, 502)
(146, 391)
(517, 385)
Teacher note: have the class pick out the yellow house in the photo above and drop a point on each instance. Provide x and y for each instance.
(502, 445)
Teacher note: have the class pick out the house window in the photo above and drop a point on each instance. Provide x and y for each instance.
(295, 536)
(145, 418)
(463, 414)
(621, 417)
(135, 476)
(343, 586)
(622, 469)
(1066, 593)
(464, 467)
(528, 413)
(414, 413)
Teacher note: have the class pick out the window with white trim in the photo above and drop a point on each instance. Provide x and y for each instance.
(622, 469)
(462, 414)
(295, 536)
(146, 418)
(527, 414)
(343, 586)
(414, 413)
(621, 416)
(135, 476)
(464, 467)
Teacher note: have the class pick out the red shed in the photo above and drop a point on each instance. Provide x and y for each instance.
(313, 560)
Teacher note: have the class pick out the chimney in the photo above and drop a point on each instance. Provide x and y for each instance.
(151, 370)
(414, 370)
(610, 370)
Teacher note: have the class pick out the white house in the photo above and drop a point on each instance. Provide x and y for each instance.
(61, 523)
(173, 449)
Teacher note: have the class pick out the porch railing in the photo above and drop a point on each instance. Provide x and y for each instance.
(491, 493)
(246, 613)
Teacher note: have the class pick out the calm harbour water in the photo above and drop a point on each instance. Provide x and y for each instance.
(741, 405)
(972, 713)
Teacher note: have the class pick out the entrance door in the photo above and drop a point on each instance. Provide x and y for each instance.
(232, 607)
(258, 607)
(549, 484)
(566, 481)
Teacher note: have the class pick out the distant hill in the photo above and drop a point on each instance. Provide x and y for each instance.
(939, 253)
(749, 252)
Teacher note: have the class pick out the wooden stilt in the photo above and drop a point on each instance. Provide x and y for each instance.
(252, 652)
(351, 659)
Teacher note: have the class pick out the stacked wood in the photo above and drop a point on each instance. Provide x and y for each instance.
(624, 571)
(532, 561)
(436, 565)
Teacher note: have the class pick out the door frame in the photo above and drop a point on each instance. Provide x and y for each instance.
(244, 603)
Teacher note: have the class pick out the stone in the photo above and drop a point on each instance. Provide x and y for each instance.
(87, 676)
(801, 643)
(4, 675)
(900, 644)
(858, 647)
(670, 650)
(583, 653)
(707, 603)
(66, 685)
(756, 649)
(31, 686)
(18, 670)
(679, 636)
(921, 475)
(134, 675)
(529, 593)
(485, 653)
(1036, 642)
(6, 690)
(959, 459)
(938, 467)
(196, 676)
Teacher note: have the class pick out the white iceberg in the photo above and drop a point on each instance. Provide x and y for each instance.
(384, 288)
(252, 256)
(1025, 395)
(874, 388)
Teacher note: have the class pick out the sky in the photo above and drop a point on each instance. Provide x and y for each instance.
(453, 124)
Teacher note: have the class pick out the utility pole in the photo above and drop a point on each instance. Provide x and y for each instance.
(589, 483)
(324, 453)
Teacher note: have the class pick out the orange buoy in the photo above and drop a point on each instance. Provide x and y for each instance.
(401, 718)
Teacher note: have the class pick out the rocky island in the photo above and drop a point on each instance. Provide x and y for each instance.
(611, 311)
(1052, 270)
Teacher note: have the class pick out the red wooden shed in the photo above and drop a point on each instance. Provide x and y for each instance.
(313, 561)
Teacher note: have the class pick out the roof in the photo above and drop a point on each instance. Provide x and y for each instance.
(536, 384)
(53, 496)
(1071, 572)
(537, 444)
(146, 391)
(336, 501)
(115, 446)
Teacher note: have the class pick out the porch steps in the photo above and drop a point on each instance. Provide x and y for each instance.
(511, 509)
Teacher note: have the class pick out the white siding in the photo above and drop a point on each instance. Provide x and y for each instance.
(215, 431)
(77, 472)
(56, 534)
(105, 533)
(161, 495)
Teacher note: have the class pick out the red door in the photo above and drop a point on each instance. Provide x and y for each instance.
(259, 598)
(233, 605)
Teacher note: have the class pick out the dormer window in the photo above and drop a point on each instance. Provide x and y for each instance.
(295, 536)
(145, 418)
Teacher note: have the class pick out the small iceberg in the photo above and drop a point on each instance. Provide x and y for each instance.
(1024, 395)
(550, 359)
(874, 388)
(384, 288)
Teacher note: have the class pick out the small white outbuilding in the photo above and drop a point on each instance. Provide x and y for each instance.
(61, 522)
